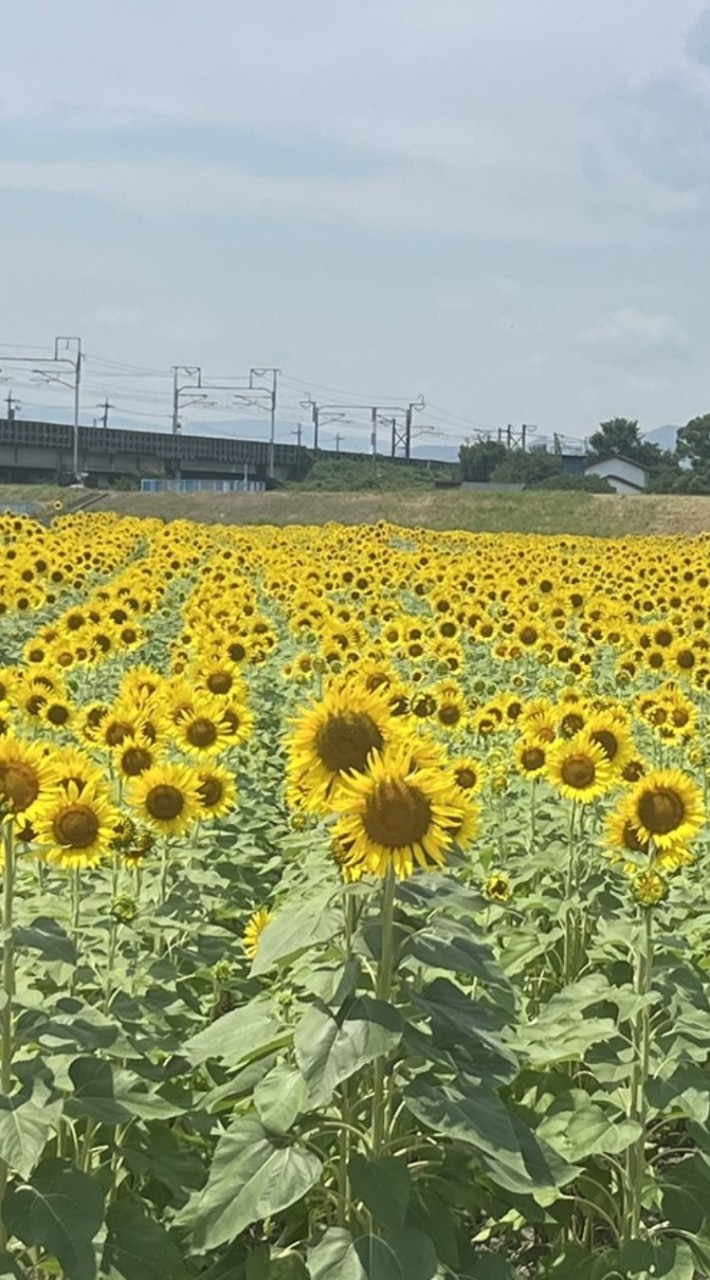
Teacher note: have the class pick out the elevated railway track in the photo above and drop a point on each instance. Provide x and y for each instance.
(43, 451)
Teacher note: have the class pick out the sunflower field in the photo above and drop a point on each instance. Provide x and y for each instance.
(355, 916)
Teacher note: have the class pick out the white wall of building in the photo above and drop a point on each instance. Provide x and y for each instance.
(623, 476)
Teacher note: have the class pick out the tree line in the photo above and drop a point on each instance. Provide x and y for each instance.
(685, 469)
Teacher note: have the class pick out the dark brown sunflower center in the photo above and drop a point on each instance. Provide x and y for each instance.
(136, 760)
(76, 827)
(211, 792)
(661, 810)
(498, 888)
(450, 714)
(632, 840)
(578, 772)
(685, 659)
(572, 723)
(632, 771)
(236, 651)
(465, 779)
(117, 731)
(376, 680)
(19, 783)
(532, 758)
(164, 802)
(219, 682)
(346, 740)
(607, 741)
(58, 714)
(202, 732)
(528, 635)
(397, 815)
(680, 718)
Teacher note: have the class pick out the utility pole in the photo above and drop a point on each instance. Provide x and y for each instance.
(318, 421)
(315, 414)
(403, 436)
(272, 394)
(190, 371)
(298, 433)
(104, 416)
(74, 361)
(12, 406)
(338, 438)
(337, 412)
(67, 344)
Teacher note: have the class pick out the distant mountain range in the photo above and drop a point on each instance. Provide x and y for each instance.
(663, 436)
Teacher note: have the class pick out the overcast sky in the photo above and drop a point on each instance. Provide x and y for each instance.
(502, 204)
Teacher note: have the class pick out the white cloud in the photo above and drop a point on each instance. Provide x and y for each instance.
(634, 335)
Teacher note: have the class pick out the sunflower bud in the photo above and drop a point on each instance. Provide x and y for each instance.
(124, 909)
(649, 888)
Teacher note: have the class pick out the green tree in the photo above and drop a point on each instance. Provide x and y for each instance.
(693, 442)
(618, 435)
(478, 461)
(530, 468)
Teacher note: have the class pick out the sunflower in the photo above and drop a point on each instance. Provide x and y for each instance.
(392, 815)
(23, 773)
(75, 827)
(254, 929)
(57, 713)
(530, 756)
(468, 774)
(450, 709)
(579, 768)
(236, 721)
(201, 730)
(167, 797)
(610, 730)
(497, 887)
(134, 756)
(666, 807)
(217, 790)
(335, 737)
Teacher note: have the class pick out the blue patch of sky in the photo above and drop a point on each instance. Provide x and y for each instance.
(260, 153)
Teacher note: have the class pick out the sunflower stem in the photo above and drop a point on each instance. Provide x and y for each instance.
(345, 1135)
(570, 911)
(383, 990)
(75, 920)
(638, 1107)
(8, 988)
(533, 813)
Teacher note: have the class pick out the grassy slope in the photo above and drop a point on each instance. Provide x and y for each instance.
(541, 512)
